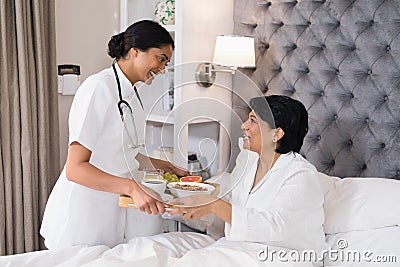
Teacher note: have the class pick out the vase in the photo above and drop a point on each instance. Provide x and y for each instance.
(165, 12)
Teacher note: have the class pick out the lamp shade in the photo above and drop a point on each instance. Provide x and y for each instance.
(234, 51)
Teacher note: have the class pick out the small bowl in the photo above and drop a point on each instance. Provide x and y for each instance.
(185, 193)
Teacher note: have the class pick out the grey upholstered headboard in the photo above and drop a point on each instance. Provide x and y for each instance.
(341, 58)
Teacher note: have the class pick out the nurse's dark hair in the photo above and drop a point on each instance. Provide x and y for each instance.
(286, 113)
(143, 35)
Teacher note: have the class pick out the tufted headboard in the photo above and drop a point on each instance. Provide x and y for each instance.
(341, 59)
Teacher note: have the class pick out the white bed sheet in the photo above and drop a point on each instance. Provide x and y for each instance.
(381, 245)
(171, 249)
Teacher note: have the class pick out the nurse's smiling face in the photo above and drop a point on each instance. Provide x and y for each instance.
(150, 62)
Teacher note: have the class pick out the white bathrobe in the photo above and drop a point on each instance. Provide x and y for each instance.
(283, 212)
(284, 209)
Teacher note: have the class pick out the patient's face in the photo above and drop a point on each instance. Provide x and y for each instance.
(257, 131)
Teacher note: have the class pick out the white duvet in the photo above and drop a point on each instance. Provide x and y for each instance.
(171, 249)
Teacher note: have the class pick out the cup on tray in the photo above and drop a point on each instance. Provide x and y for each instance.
(153, 179)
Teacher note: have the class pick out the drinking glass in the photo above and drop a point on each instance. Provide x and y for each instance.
(152, 174)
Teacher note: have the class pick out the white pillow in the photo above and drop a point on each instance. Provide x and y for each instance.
(362, 204)
(327, 182)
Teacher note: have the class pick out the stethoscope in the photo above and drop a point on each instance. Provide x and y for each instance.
(121, 104)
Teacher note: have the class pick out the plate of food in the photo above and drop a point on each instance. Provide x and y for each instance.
(184, 189)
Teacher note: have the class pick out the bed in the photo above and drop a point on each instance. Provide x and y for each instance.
(341, 58)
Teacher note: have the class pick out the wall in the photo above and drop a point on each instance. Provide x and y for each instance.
(199, 23)
(83, 30)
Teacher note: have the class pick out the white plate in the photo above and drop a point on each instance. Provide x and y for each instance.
(184, 193)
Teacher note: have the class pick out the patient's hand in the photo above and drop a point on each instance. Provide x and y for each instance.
(193, 207)
(193, 201)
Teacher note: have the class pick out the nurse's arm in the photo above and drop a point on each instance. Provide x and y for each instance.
(153, 163)
(80, 171)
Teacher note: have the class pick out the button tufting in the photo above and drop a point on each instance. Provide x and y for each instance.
(388, 48)
(337, 71)
(371, 23)
(367, 120)
(307, 70)
(279, 69)
(338, 23)
(364, 167)
(294, 46)
(318, 137)
(333, 162)
(323, 46)
(294, 2)
(383, 145)
(351, 95)
(321, 93)
(385, 98)
(369, 72)
(350, 142)
(267, 4)
(353, 47)
(308, 23)
(335, 116)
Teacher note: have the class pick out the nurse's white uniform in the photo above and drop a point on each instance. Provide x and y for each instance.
(75, 214)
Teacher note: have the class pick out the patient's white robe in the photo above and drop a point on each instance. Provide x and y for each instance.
(284, 211)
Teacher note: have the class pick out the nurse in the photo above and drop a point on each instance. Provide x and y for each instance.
(83, 207)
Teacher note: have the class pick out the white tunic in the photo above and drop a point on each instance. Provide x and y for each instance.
(79, 215)
(285, 209)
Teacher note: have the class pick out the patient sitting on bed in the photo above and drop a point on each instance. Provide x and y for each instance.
(276, 199)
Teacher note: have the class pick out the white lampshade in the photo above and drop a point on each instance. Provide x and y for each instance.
(234, 51)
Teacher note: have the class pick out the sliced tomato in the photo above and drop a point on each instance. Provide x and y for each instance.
(192, 178)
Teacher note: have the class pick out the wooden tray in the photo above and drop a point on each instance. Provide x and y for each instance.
(127, 202)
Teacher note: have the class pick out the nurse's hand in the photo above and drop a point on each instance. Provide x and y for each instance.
(146, 200)
(171, 168)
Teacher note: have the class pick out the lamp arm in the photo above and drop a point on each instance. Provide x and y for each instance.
(231, 70)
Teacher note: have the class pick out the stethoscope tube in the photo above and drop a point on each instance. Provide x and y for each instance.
(120, 105)
(121, 101)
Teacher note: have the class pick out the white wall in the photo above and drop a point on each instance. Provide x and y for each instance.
(200, 22)
(83, 29)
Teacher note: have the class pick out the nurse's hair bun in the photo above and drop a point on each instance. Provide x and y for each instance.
(116, 46)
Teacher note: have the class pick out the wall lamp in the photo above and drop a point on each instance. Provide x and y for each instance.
(231, 52)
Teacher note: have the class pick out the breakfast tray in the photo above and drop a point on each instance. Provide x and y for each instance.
(127, 202)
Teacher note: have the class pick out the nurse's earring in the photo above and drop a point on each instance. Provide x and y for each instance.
(274, 139)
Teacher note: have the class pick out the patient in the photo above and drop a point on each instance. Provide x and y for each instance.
(277, 200)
